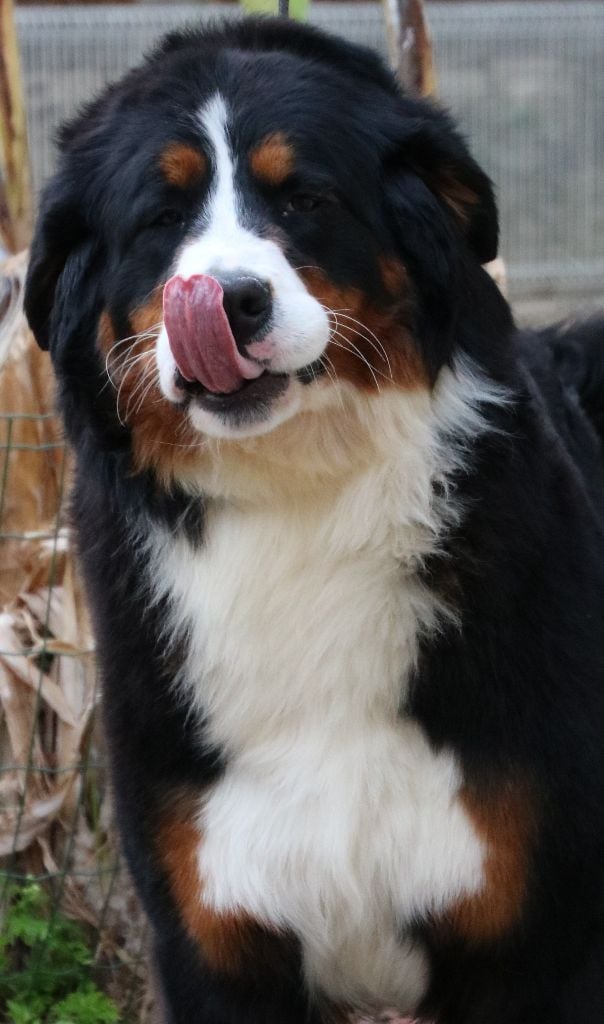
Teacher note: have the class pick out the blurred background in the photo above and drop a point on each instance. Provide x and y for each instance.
(526, 82)
(524, 79)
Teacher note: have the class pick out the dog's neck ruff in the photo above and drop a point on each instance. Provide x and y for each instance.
(334, 817)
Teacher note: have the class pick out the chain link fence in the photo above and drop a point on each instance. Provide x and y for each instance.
(72, 939)
(526, 81)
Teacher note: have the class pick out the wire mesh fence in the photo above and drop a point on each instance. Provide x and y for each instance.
(526, 81)
(70, 929)
(524, 78)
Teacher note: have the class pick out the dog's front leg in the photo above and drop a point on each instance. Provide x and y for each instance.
(194, 992)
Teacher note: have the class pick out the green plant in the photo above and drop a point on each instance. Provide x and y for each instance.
(44, 965)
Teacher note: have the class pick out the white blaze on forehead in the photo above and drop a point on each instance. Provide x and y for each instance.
(299, 326)
(222, 214)
(224, 244)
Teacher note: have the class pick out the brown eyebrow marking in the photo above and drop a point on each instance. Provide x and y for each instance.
(182, 165)
(273, 159)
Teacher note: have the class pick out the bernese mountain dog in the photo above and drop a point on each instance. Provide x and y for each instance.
(341, 527)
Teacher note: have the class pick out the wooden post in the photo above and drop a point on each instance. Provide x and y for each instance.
(15, 186)
(410, 45)
(410, 52)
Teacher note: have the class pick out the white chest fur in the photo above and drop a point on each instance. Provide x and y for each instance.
(335, 817)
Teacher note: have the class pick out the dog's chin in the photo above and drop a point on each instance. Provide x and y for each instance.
(255, 409)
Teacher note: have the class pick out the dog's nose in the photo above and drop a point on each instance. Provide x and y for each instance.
(247, 302)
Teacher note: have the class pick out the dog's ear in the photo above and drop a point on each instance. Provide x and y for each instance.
(433, 149)
(55, 255)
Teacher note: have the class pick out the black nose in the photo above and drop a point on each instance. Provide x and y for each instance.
(247, 303)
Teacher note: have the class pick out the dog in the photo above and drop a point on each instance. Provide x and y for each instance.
(340, 524)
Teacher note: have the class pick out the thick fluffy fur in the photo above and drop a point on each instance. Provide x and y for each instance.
(349, 615)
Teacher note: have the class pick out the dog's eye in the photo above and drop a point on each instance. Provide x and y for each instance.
(303, 202)
(169, 218)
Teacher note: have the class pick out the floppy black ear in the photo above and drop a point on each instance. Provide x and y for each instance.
(437, 153)
(59, 233)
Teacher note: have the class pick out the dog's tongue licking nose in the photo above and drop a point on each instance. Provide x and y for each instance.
(200, 335)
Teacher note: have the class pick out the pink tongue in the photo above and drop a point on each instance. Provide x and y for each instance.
(200, 336)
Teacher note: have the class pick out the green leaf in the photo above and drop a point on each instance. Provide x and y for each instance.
(23, 1013)
(44, 958)
(297, 8)
(87, 1006)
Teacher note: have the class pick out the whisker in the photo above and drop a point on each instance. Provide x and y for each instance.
(137, 387)
(365, 332)
(152, 383)
(147, 376)
(141, 335)
(353, 350)
(129, 365)
(124, 367)
(191, 444)
(182, 428)
(369, 336)
(332, 373)
(129, 361)
(136, 339)
(327, 365)
(330, 369)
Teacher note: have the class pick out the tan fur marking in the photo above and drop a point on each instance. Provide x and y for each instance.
(273, 159)
(106, 333)
(371, 348)
(394, 275)
(224, 939)
(162, 437)
(458, 197)
(506, 823)
(150, 315)
(232, 943)
(182, 165)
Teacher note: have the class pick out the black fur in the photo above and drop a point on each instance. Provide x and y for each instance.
(518, 691)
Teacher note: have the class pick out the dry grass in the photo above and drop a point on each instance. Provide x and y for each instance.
(55, 807)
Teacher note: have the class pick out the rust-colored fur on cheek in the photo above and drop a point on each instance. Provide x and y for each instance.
(162, 438)
(371, 348)
(505, 820)
(182, 165)
(273, 159)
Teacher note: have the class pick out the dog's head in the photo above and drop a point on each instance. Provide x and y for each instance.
(250, 224)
